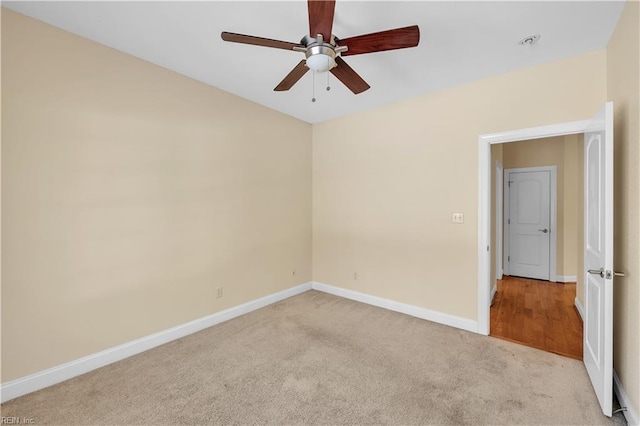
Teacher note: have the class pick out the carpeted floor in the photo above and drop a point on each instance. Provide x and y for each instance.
(320, 359)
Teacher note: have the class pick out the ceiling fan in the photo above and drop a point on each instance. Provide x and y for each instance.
(323, 51)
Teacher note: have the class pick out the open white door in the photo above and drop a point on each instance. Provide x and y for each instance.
(598, 255)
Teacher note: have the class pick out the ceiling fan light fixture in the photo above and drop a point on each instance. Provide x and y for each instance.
(320, 58)
(320, 62)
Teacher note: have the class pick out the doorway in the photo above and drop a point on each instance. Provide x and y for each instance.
(485, 206)
(534, 302)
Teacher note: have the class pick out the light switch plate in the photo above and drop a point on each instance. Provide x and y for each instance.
(457, 217)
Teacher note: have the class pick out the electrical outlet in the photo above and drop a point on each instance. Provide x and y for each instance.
(457, 217)
(218, 292)
(293, 272)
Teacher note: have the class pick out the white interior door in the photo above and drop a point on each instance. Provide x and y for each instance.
(598, 255)
(529, 223)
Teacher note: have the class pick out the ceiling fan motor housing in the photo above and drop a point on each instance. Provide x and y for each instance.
(321, 56)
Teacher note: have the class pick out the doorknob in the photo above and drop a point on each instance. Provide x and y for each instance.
(596, 272)
(545, 230)
(608, 275)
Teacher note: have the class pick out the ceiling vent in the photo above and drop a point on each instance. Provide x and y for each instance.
(530, 40)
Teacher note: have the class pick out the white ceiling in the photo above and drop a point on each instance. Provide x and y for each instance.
(460, 42)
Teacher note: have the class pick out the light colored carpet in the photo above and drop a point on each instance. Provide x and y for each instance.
(321, 359)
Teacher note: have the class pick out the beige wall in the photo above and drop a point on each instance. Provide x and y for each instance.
(386, 181)
(560, 152)
(130, 193)
(623, 88)
(572, 211)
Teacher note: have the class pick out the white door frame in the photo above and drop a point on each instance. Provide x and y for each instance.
(553, 216)
(499, 215)
(484, 201)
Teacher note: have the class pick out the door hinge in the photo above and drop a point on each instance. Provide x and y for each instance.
(509, 183)
(508, 258)
(508, 221)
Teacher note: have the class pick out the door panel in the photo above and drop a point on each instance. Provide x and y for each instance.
(528, 218)
(529, 205)
(593, 337)
(594, 219)
(598, 255)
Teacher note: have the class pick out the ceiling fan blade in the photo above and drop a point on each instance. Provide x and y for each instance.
(321, 17)
(399, 38)
(258, 41)
(293, 77)
(349, 77)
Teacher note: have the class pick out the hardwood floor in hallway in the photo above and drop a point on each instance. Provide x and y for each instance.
(539, 314)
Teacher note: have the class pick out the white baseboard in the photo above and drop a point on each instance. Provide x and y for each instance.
(60, 373)
(494, 290)
(580, 309)
(415, 311)
(630, 413)
(566, 279)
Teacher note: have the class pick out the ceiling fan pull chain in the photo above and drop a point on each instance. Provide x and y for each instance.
(313, 91)
(328, 87)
